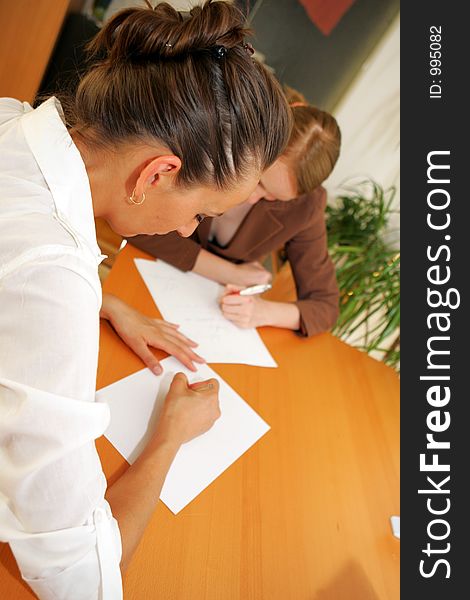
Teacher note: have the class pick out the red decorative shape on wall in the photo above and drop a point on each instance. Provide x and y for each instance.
(326, 14)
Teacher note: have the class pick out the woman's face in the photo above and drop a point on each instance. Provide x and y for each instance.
(276, 183)
(175, 209)
(146, 169)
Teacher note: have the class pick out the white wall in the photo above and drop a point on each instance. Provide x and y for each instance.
(369, 118)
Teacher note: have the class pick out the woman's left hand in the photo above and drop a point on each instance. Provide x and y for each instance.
(141, 333)
(243, 311)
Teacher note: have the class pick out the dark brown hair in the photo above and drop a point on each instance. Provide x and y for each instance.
(188, 81)
(314, 144)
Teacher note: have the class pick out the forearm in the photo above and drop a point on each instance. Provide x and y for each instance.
(281, 314)
(214, 267)
(135, 495)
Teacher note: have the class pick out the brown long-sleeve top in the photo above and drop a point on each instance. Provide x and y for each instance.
(297, 225)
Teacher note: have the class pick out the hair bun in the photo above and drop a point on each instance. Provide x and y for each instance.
(163, 32)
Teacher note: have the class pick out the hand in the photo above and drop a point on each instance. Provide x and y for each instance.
(250, 273)
(140, 333)
(243, 311)
(188, 411)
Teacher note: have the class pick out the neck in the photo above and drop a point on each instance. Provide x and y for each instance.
(100, 169)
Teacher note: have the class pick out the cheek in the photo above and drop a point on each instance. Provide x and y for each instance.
(169, 216)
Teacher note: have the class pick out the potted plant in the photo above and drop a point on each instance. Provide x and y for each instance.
(367, 269)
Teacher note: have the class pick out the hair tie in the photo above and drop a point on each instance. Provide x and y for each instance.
(219, 51)
(294, 104)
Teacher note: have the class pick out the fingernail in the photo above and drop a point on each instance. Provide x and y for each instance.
(157, 370)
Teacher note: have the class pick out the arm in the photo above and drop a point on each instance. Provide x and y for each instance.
(187, 254)
(51, 482)
(177, 251)
(253, 311)
(188, 412)
(141, 333)
(224, 271)
(52, 507)
(314, 273)
(316, 308)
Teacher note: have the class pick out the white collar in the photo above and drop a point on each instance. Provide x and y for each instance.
(63, 169)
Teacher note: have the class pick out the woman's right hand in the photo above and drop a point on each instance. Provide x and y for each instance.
(189, 410)
(250, 273)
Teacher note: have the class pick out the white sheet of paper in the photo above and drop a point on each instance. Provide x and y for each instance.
(135, 403)
(192, 301)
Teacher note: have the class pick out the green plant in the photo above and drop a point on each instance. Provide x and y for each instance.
(367, 269)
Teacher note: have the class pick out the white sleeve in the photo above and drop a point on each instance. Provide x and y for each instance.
(52, 507)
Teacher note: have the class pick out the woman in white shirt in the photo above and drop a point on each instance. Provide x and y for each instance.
(174, 121)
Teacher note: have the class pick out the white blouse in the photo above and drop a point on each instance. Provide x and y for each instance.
(52, 507)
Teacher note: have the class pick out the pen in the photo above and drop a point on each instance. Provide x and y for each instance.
(254, 289)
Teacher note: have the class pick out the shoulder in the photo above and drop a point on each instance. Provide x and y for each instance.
(306, 203)
(36, 238)
(313, 202)
(11, 108)
(301, 210)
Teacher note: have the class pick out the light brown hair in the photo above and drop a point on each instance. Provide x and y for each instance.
(188, 81)
(314, 144)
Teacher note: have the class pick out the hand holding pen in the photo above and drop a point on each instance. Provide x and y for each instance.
(243, 306)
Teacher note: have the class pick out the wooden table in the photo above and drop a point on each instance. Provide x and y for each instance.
(304, 514)
(29, 32)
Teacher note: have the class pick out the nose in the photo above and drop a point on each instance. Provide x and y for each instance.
(256, 195)
(187, 230)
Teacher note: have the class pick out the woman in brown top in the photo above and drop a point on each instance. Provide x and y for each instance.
(286, 210)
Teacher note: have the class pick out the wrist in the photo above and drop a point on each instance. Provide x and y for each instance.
(108, 305)
(113, 308)
(265, 313)
(282, 314)
(234, 274)
(161, 444)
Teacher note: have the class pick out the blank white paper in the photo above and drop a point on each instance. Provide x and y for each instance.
(191, 301)
(135, 403)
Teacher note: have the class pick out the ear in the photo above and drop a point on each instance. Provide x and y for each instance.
(158, 170)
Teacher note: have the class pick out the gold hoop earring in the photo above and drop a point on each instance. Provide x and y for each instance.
(132, 199)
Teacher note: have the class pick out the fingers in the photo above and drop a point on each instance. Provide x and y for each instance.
(180, 351)
(184, 339)
(171, 329)
(232, 310)
(230, 289)
(174, 343)
(179, 383)
(240, 321)
(238, 315)
(177, 335)
(204, 386)
(145, 354)
(172, 325)
(173, 346)
(235, 300)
